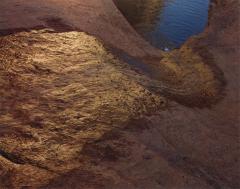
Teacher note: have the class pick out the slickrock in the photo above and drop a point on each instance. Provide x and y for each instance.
(97, 17)
(76, 114)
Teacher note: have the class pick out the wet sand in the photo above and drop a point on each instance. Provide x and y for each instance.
(73, 115)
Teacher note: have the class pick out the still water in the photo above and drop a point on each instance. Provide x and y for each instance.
(166, 24)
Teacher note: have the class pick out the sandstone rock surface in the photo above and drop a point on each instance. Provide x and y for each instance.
(74, 114)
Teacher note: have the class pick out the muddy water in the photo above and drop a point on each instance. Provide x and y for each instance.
(166, 23)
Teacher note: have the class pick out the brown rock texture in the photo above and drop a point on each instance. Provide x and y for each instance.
(74, 114)
(59, 91)
(92, 16)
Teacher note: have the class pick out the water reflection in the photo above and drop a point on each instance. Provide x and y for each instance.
(166, 23)
(142, 14)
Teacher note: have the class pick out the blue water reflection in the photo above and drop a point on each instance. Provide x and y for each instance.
(172, 24)
(178, 20)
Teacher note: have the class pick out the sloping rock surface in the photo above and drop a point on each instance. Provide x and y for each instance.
(74, 115)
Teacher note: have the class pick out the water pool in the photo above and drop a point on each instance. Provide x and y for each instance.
(166, 24)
